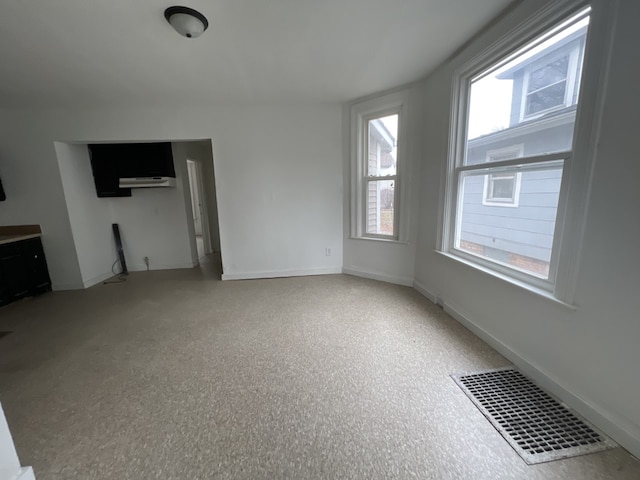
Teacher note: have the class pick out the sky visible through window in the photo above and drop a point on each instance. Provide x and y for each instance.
(391, 123)
(490, 97)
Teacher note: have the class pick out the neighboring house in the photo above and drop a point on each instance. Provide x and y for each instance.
(380, 195)
(510, 216)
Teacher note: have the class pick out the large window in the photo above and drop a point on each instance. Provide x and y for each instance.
(512, 146)
(376, 128)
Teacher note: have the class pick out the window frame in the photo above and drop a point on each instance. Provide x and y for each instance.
(578, 165)
(367, 179)
(361, 113)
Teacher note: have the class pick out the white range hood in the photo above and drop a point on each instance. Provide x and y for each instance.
(146, 182)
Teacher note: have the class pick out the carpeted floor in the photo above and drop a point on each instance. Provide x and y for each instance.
(177, 375)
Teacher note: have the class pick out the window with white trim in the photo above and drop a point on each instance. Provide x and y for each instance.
(376, 126)
(512, 146)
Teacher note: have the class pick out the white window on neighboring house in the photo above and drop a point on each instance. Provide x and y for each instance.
(376, 126)
(502, 189)
(550, 83)
(527, 243)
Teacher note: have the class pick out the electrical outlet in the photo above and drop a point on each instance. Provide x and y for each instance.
(327, 252)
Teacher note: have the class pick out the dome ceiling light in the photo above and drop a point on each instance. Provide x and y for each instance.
(186, 21)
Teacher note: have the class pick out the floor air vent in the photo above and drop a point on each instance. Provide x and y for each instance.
(537, 426)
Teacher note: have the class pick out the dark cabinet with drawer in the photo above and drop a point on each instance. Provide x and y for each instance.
(23, 270)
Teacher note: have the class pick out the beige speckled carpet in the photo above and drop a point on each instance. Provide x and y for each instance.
(176, 375)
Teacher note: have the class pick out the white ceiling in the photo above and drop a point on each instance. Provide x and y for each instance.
(92, 52)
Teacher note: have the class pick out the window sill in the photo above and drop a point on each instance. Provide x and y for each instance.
(525, 286)
(376, 239)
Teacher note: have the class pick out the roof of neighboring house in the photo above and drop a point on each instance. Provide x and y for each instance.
(557, 117)
(384, 133)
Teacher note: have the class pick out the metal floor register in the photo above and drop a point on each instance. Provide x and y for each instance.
(537, 426)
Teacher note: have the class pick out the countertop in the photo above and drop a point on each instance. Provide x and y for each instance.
(16, 238)
(16, 233)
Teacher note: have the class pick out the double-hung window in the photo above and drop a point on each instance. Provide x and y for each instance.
(512, 146)
(376, 128)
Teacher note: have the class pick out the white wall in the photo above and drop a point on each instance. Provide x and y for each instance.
(89, 215)
(589, 356)
(32, 182)
(383, 260)
(9, 464)
(278, 177)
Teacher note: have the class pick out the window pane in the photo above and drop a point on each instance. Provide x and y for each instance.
(548, 74)
(542, 79)
(379, 207)
(501, 187)
(521, 236)
(383, 132)
(549, 97)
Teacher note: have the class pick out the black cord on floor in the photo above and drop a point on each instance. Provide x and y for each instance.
(121, 277)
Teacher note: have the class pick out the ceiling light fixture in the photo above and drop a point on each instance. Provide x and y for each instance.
(186, 21)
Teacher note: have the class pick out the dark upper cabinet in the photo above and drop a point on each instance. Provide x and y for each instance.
(106, 175)
(146, 160)
(110, 162)
(3, 197)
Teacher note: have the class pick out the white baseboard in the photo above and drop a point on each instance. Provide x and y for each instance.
(357, 272)
(57, 287)
(608, 422)
(95, 280)
(282, 273)
(161, 266)
(426, 293)
(132, 268)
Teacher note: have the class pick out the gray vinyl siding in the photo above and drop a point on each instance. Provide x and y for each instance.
(528, 228)
(523, 230)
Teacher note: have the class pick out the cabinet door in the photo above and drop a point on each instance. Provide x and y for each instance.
(105, 161)
(5, 297)
(14, 269)
(36, 264)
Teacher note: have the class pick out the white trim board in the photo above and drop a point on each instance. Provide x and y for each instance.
(608, 422)
(58, 287)
(425, 292)
(96, 280)
(382, 277)
(161, 266)
(282, 273)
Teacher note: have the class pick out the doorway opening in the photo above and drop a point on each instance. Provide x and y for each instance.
(197, 207)
(204, 228)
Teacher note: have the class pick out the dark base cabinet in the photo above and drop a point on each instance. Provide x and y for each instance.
(23, 270)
